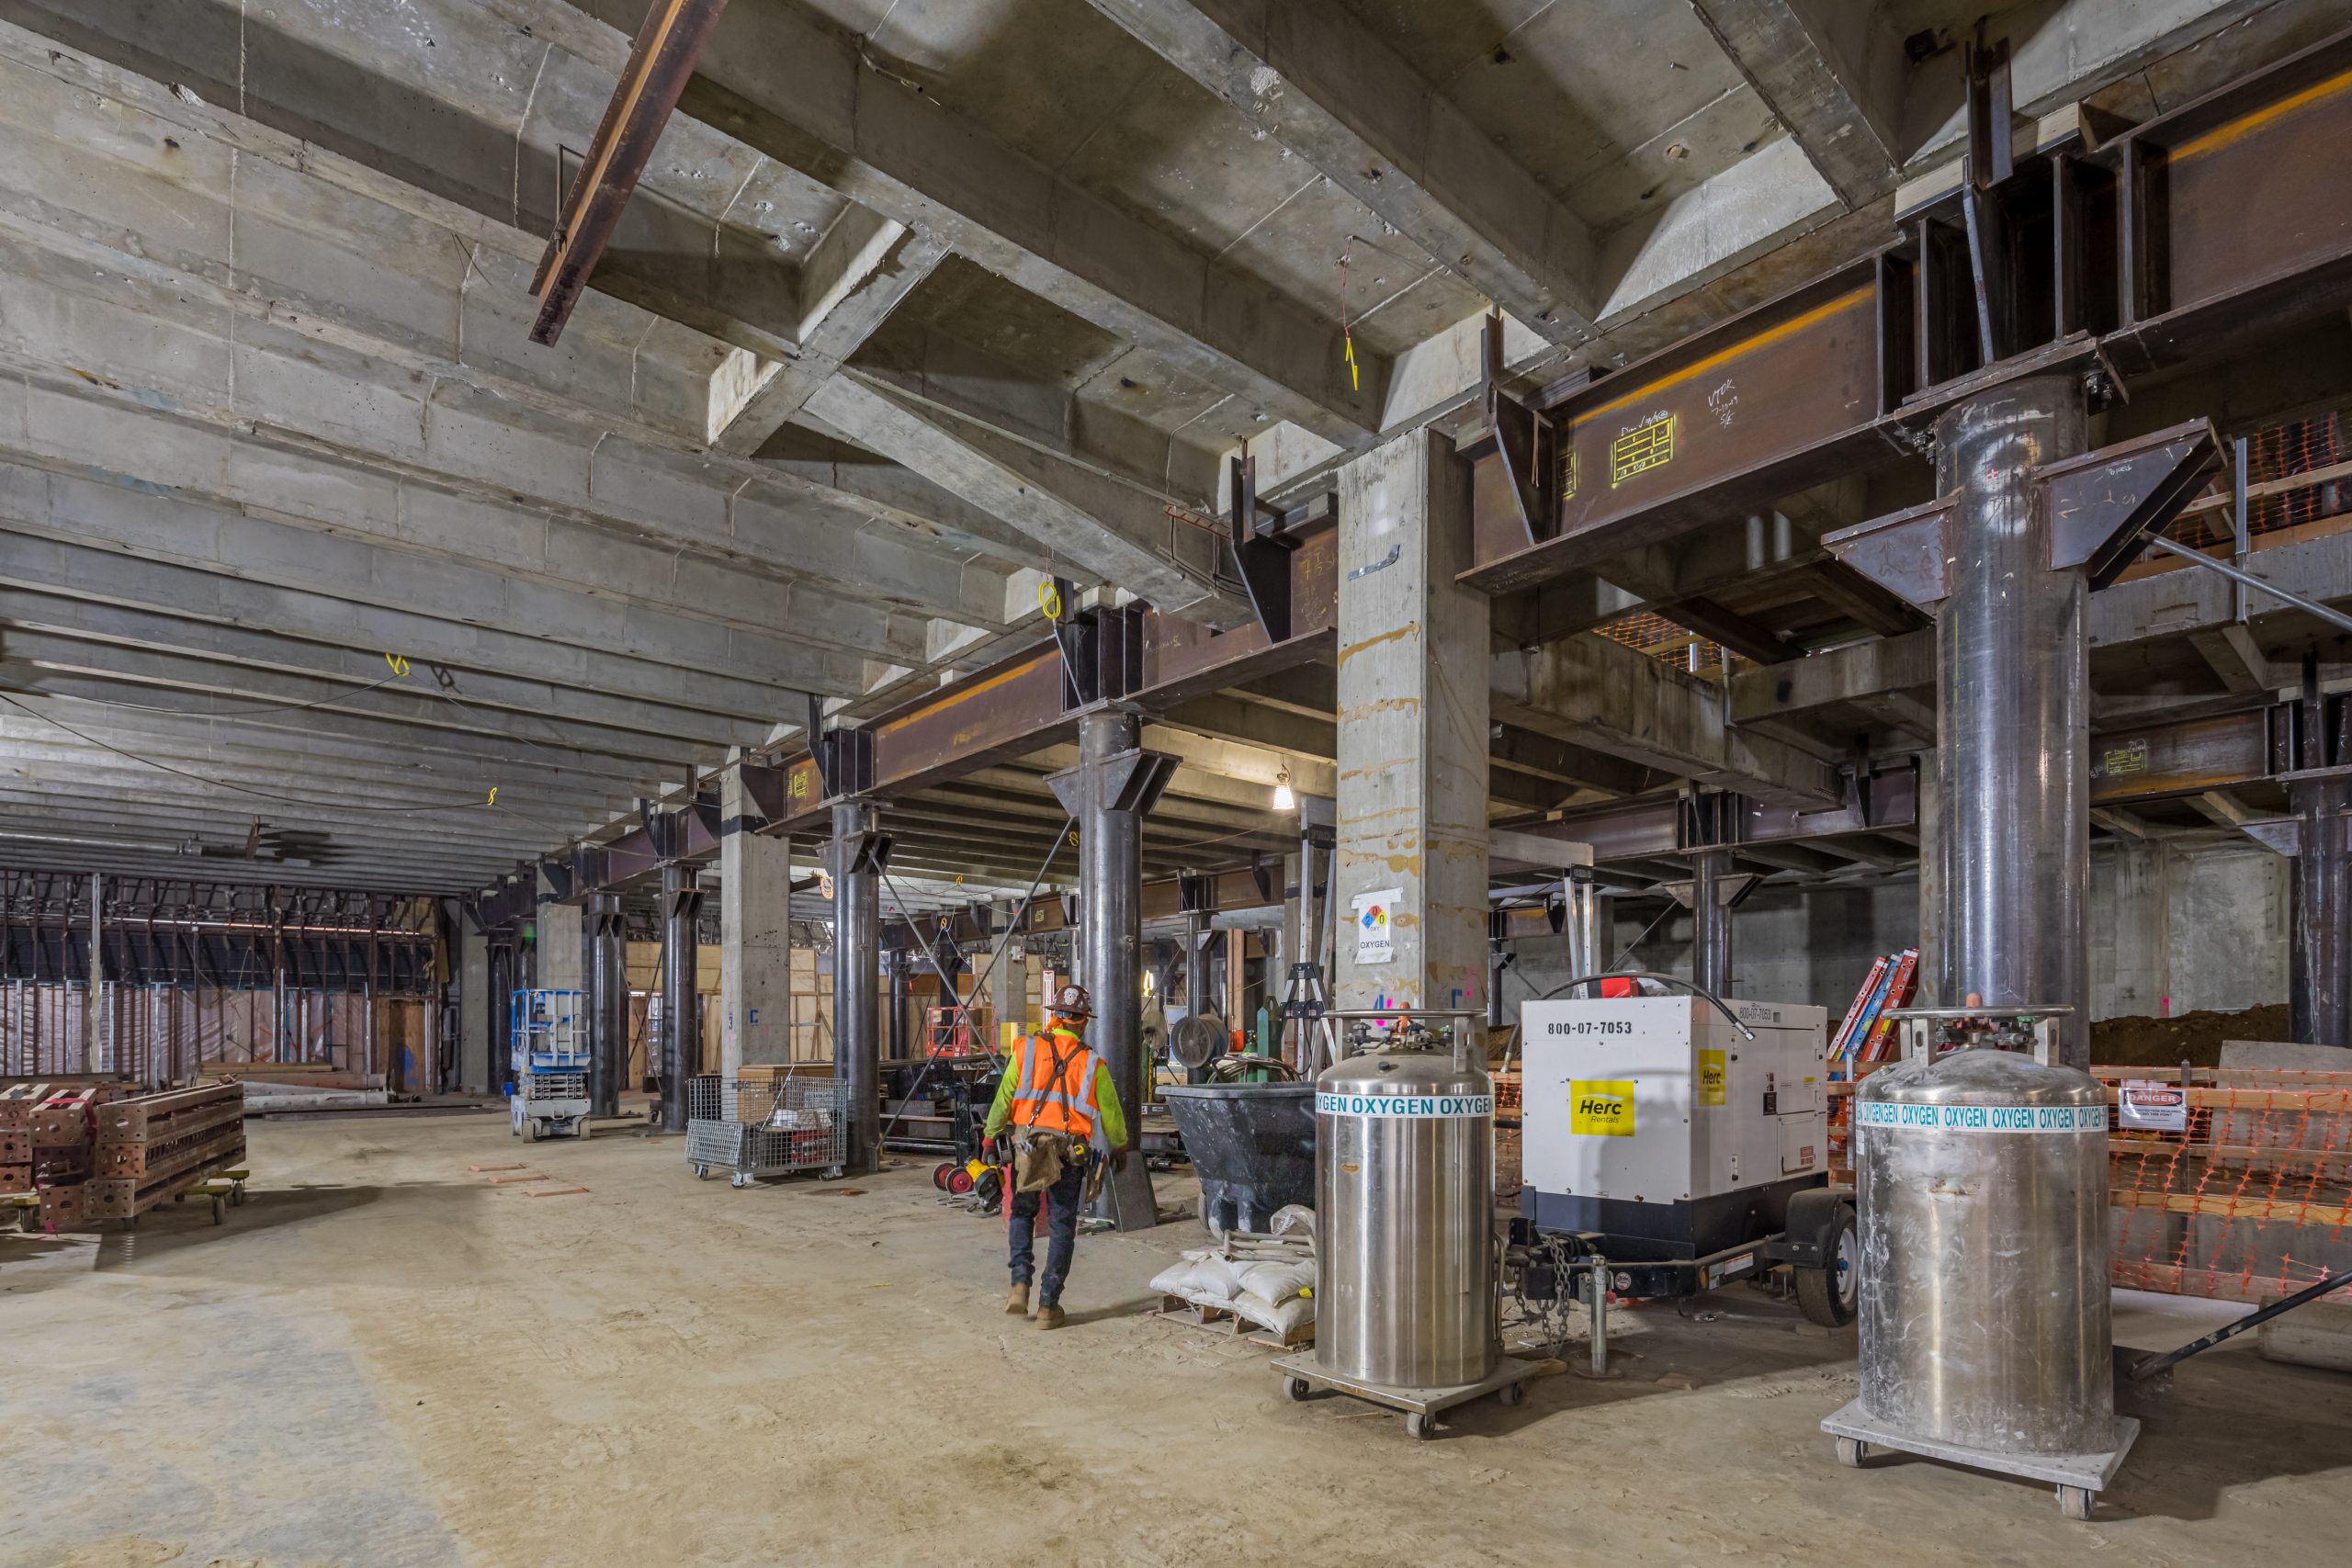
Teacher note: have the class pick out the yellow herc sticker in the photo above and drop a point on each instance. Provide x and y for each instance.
(1600, 1108)
(1712, 1078)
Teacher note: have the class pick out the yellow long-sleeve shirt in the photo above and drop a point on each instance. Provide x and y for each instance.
(1106, 1100)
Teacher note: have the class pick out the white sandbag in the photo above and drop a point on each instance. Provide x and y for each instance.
(1278, 1319)
(1295, 1217)
(1214, 1277)
(1173, 1279)
(1278, 1282)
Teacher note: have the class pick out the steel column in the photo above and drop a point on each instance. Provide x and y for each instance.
(1110, 851)
(499, 1067)
(604, 966)
(2319, 955)
(857, 937)
(681, 1008)
(1709, 923)
(1580, 923)
(2012, 681)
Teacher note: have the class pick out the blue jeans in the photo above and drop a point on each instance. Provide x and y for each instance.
(1068, 1194)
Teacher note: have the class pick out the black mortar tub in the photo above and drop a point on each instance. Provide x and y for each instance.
(1252, 1144)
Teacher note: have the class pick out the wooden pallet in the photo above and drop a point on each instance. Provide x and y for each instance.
(1194, 1315)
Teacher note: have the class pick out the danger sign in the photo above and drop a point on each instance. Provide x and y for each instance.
(1602, 1108)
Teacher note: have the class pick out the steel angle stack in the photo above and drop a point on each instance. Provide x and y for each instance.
(154, 1148)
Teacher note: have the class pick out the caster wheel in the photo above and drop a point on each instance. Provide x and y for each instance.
(701, 1173)
(738, 1179)
(1297, 1388)
(219, 1211)
(1852, 1451)
(1420, 1429)
(237, 1195)
(1512, 1392)
(2076, 1502)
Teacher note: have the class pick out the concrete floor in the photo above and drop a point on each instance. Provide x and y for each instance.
(382, 1361)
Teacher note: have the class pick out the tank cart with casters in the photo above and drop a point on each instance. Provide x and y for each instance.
(1406, 1310)
(548, 1055)
(1982, 1170)
(751, 1130)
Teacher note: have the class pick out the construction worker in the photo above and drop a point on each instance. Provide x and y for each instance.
(1064, 1113)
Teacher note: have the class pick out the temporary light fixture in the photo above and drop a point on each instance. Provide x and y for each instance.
(1284, 799)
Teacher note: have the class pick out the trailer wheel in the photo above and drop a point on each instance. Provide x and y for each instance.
(1827, 1295)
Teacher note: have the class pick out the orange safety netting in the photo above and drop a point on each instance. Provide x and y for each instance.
(2253, 1199)
(2276, 455)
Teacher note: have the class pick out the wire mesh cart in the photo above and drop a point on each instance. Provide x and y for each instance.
(548, 1056)
(776, 1128)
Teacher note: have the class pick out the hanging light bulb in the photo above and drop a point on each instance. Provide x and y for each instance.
(1284, 799)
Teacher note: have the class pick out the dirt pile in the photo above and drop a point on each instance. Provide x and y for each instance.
(2197, 1036)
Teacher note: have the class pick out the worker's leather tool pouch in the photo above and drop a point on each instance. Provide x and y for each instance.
(1039, 1157)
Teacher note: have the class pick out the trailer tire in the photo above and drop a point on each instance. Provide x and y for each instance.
(1826, 1295)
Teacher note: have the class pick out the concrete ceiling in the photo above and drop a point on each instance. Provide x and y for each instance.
(917, 301)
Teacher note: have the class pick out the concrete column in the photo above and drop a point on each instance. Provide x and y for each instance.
(1008, 980)
(681, 1012)
(1709, 923)
(2012, 686)
(857, 958)
(473, 1010)
(1413, 716)
(561, 949)
(755, 939)
(2140, 950)
(607, 963)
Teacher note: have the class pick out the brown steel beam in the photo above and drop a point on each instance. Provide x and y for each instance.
(2231, 221)
(668, 43)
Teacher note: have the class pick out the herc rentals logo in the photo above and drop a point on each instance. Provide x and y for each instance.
(1602, 1108)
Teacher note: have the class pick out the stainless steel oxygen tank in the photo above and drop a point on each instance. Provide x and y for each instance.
(1405, 1207)
(1982, 1181)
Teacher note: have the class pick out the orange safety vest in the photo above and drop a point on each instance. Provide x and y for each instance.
(1056, 1089)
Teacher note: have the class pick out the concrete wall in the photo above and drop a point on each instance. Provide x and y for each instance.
(2203, 925)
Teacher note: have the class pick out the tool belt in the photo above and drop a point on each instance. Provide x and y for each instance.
(1040, 1156)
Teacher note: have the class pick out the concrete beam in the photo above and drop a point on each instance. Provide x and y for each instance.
(2235, 656)
(1834, 73)
(876, 278)
(54, 566)
(775, 79)
(1317, 79)
(1858, 671)
(1612, 698)
(1112, 532)
(488, 695)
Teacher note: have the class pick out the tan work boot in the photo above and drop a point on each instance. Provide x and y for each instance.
(1050, 1317)
(1016, 1301)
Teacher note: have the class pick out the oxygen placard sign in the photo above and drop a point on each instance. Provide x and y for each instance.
(1600, 1108)
(1375, 920)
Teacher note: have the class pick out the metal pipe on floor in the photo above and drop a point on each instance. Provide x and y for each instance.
(857, 959)
(681, 1006)
(2012, 679)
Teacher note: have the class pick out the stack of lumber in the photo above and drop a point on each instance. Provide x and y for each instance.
(155, 1147)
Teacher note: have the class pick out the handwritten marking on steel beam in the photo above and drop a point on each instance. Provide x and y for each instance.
(1649, 444)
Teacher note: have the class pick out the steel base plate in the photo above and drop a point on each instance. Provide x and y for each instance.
(1413, 1401)
(2089, 1471)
